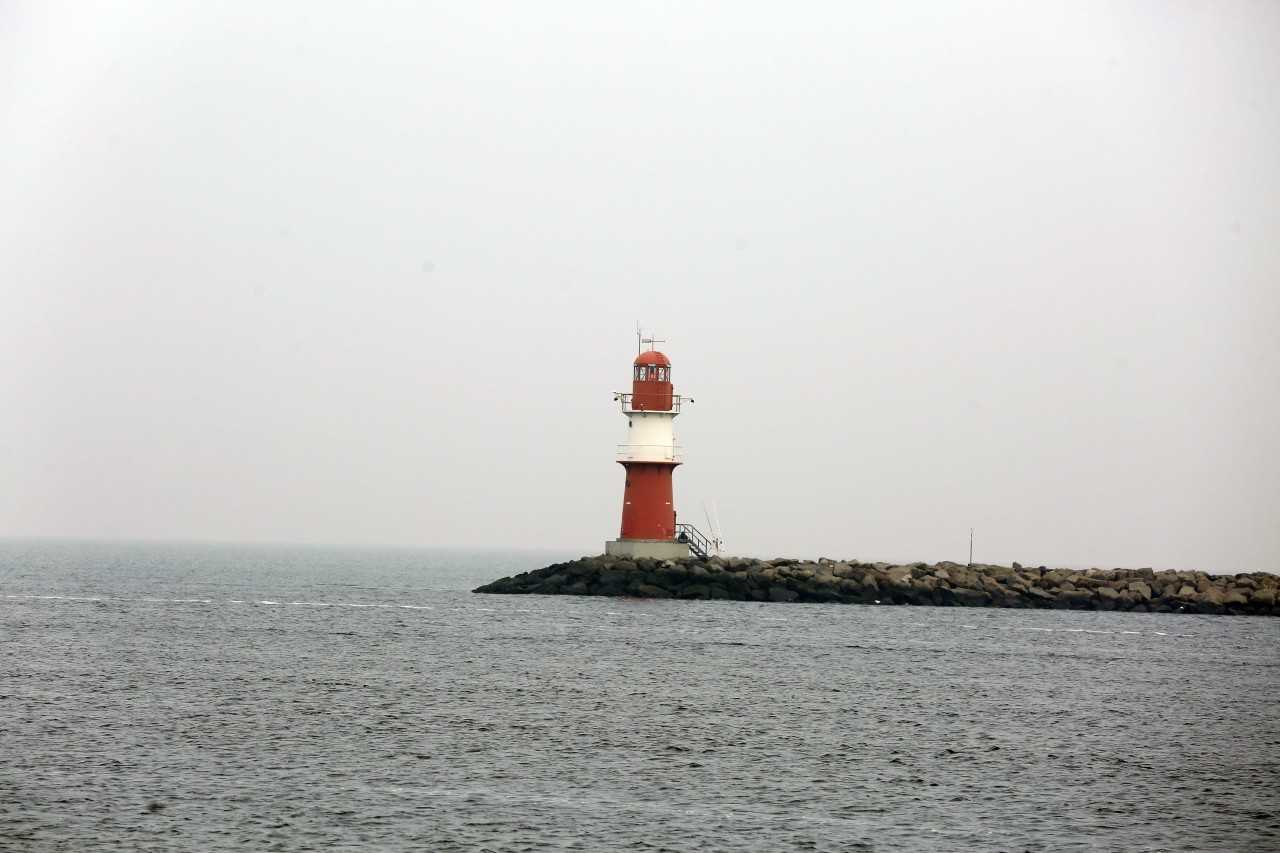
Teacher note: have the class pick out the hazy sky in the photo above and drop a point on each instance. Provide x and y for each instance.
(368, 273)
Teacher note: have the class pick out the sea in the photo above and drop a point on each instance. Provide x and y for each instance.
(174, 697)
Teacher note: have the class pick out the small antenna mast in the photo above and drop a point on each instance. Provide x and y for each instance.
(641, 340)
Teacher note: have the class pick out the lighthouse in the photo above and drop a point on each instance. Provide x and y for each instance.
(650, 456)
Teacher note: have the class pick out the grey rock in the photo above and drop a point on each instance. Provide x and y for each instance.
(1212, 595)
(966, 597)
(1075, 597)
(1235, 598)
(898, 573)
(1141, 589)
(699, 572)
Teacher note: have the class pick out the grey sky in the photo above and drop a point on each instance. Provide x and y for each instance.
(345, 273)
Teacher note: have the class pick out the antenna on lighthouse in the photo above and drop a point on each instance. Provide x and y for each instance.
(642, 340)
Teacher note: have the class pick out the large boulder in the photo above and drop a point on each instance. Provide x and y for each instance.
(1235, 598)
(1076, 598)
(1212, 600)
(1212, 595)
(719, 593)
(1141, 589)
(964, 597)
(1040, 596)
(699, 572)
(898, 573)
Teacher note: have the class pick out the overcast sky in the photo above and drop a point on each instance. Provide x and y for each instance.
(358, 273)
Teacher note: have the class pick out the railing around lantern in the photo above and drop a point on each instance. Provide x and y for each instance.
(650, 453)
(625, 399)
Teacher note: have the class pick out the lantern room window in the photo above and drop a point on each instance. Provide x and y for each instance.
(652, 373)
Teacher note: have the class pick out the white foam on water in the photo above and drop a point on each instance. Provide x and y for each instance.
(58, 597)
(268, 602)
(424, 607)
(356, 604)
(1062, 630)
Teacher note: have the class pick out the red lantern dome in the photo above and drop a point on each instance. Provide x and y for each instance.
(651, 382)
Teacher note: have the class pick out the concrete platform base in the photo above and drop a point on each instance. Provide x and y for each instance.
(653, 549)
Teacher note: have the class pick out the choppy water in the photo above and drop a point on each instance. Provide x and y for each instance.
(203, 698)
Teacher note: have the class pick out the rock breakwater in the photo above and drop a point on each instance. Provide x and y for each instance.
(943, 584)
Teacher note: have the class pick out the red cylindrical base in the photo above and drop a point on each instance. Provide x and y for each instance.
(647, 509)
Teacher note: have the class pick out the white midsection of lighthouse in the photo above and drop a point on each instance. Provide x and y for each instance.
(651, 438)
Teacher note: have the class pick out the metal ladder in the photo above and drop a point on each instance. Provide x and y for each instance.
(698, 544)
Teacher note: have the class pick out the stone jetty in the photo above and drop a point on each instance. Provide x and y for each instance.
(940, 585)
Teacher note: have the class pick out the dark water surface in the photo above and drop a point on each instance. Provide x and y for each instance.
(164, 697)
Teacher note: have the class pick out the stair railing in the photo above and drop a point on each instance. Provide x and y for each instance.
(698, 544)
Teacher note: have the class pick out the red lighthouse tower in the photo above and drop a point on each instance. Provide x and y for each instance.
(650, 456)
